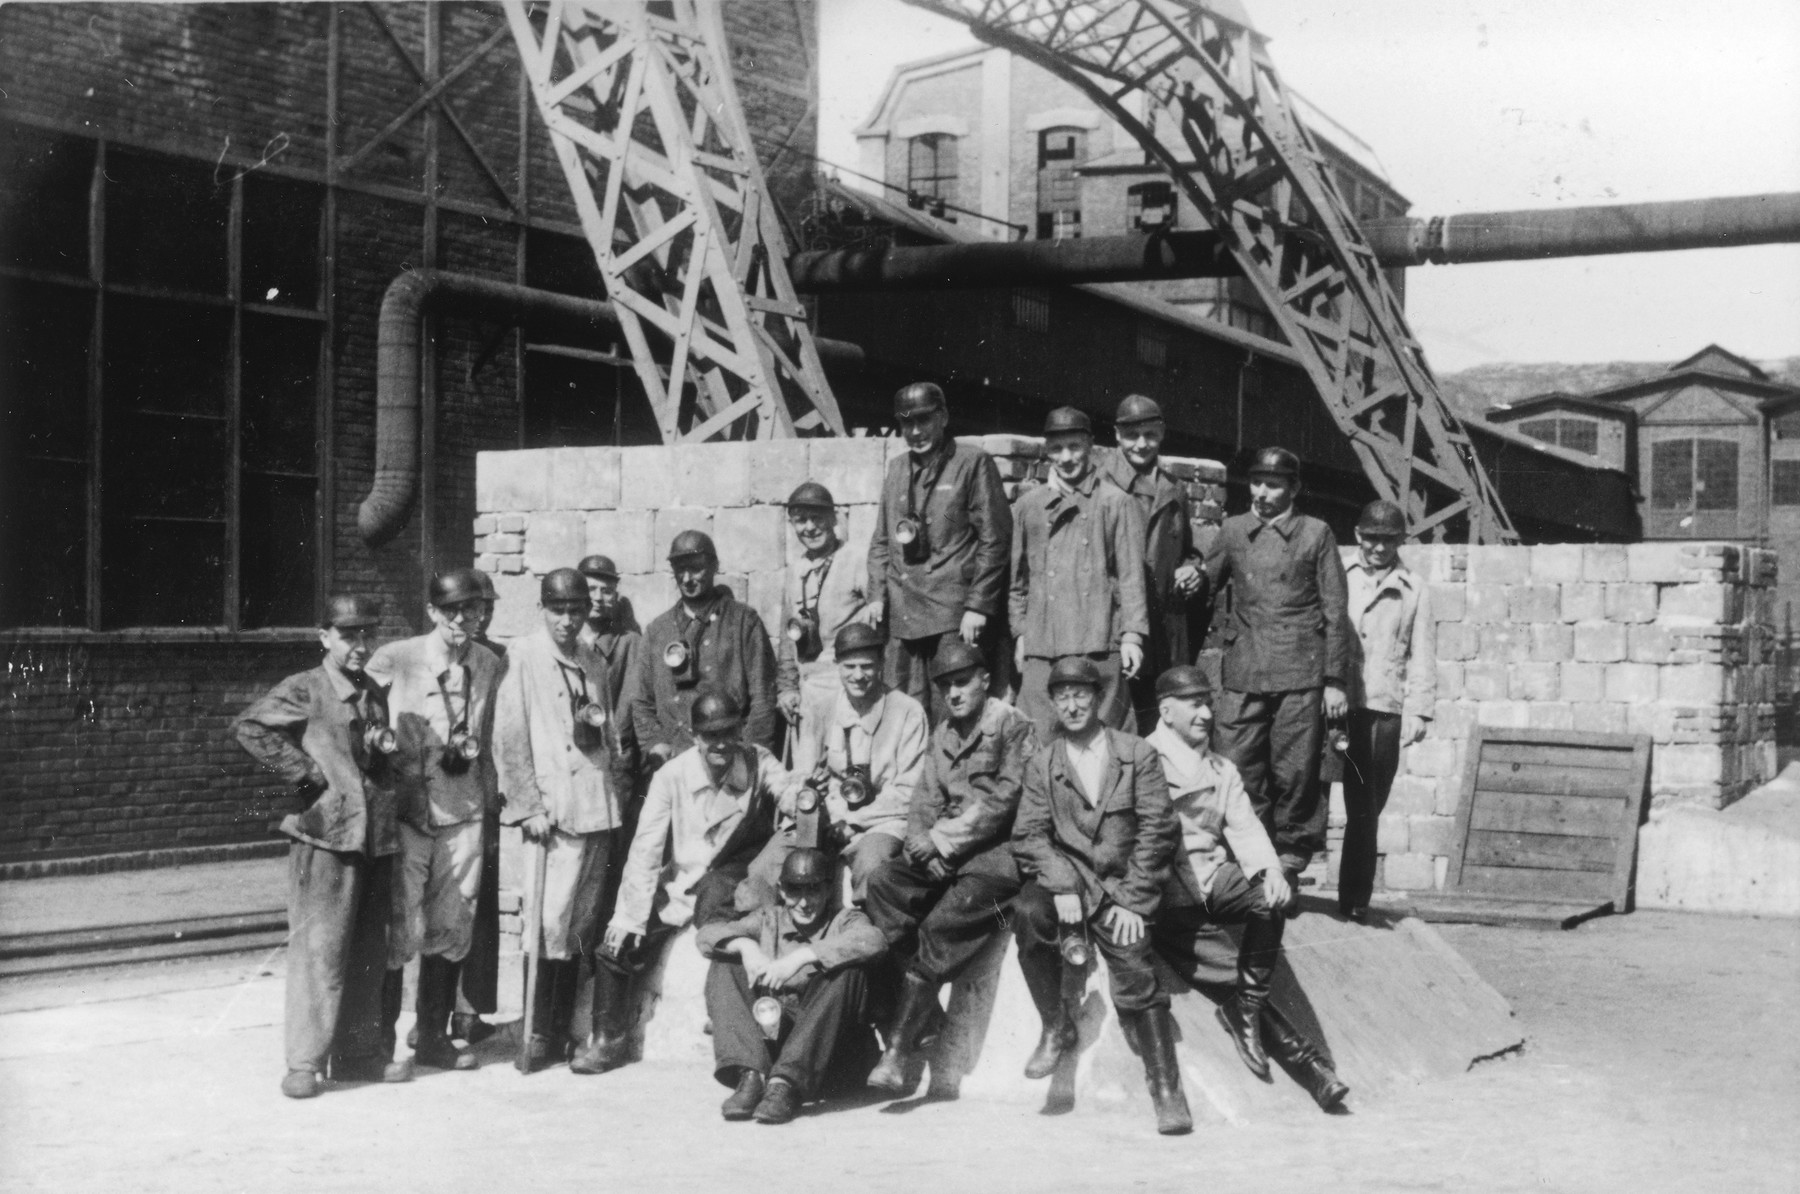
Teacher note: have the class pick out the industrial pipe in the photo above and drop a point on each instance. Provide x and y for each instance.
(417, 293)
(1197, 254)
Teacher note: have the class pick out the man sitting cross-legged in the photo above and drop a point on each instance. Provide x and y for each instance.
(788, 994)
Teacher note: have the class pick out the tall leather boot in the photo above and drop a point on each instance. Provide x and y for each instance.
(613, 1020)
(1044, 981)
(1242, 1013)
(543, 1011)
(562, 1008)
(437, 995)
(898, 1070)
(1162, 1071)
(1304, 1060)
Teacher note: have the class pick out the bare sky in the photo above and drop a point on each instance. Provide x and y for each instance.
(1484, 105)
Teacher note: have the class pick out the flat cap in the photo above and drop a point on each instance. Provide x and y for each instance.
(1275, 462)
(715, 710)
(921, 397)
(563, 584)
(956, 656)
(1136, 409)
(346, 611)
(857, 636)
(601, 566)
(1074, 669)
(810, 495)
(806, 867)
(1382, 518)
(456, 586)
(693, 543)
(1183, 680)
(1067, 418)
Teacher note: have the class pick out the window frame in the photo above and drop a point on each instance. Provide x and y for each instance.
(942, 146)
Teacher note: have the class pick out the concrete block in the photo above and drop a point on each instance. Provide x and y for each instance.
(1457, 641)
(738, 583)
(1501, 565)
(1409, 872)
(1533, 603)
(516, 480)
(765, 595)
(1556, 563)
(585, 478)
(1536, 681)
(717, 475)
(1453, 719)
(1583, 682)
(509, 524)
(1654, 720)
(1504, 642)
(752, 538)
(1647, 644)
(647, 479)
(1599, 642)
(1449, 602)
(1704, 604)
(1449, 679)
(1694, 684)
(625, 537)
(1583, 602)
(1438, 562)
(778, 466)
(1485, 603)
(1432, 835)
(651, 593)
(484, 524)
(1630, 603)
(511, 564)
(515, 612)
(851, 469)
(1604, 562)
(1412, 794)
(1657, 563)
(1505, 715)
(1553, 715)
(673, 520)
(555, 539)
(1680, 765)
(1599, 717)
(1552, 643)
(489, 564)
(1390, 834)
(1015, 445)
(857, 524)
(503, 545)
(1448, 796)
(1484, 680)
(1631, 683)
(1433, 757)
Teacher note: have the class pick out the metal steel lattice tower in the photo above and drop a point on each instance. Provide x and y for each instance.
(1255, 174)
(646, 122)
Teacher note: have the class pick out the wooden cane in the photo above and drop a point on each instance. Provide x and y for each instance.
(531, 937)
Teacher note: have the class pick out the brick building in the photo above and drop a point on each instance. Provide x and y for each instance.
(201, 207)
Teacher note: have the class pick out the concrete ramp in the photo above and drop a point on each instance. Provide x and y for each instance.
(1744, 858)
(1391, 1003)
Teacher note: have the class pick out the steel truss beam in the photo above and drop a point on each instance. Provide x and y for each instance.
(1165, 69)
(645, 119)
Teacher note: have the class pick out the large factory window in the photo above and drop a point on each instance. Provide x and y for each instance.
(160, 440)
(1694, 474)
(1060, 152)
(931, 166)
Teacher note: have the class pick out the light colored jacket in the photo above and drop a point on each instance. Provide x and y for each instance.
(542, 770)
(420, 676)
(1214, 812)
(891, 738)
(1394, 649)
(841, 596)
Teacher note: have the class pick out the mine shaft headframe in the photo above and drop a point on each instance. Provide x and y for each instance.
(645, 118)
(1162, 67)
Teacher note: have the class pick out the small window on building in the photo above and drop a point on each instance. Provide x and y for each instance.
(1787, 426)
(1577, 435)
(1150, 206)
(1152, 346)
(1060, 152)
(931, 166)
(1031, 310)
(1786, 483)
(1058, 225)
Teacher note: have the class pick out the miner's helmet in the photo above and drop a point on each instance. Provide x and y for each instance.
(598, 566)
(1275, 462)
(488, 592)
(1382, 518)
(455, 587)
(561, 586)
(805, 869)
(715, 711)
(919, 398)
(1066, 419)
(690, 544)
(1183, 680)
(810, 495)
(1137, 409)
(855, 637)
(954, 658)
(347, 611)
(1074, 669)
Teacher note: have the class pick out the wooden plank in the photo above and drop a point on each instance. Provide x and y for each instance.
(1464, 806)
(1520, 883)
(1558, 756)
(1533, 812)
(1561, 737)
(1448, 908)
(1630, 817)
(1541, 851)
(1552, 781)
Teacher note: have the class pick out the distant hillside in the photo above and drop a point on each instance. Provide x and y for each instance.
(1474, 390)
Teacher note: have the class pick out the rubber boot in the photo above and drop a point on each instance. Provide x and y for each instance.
(543, 1012)
(437, 995)
(562, 1009)
(1304, 1060)
(1156, 1041)
(613, 1021)
(1044, 981)
(898, 1071)
(1242, 1013)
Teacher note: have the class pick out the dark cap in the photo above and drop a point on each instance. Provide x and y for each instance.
(806, 867)
(1136, 409)
(1382, 518)
(810, 495)
(1074, 669)
(1275, 462)
(346, 612)
(857, 636)
(693, 543)
(601, 566)
(486, 582)
(1067, 418)
(1183, 680)
(714, 711)
(563, 584)
(455, 587)
(956, 656)
(921, 397)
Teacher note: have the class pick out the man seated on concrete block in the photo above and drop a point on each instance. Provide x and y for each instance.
(788, 995)
(324, 733)
(708, 815)
(957, 878)
(826, 591)
(870, 748)
(1393, 688)
(1077, 577)
(707, 638)
(1226, 872)
(554, 735)
(1094, 836)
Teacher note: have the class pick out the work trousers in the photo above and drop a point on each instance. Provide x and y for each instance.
(825, 1043)
(909, 670)
(951, 919)
(1115, 698)
(574, 879)
(1192, 941)
(339, 905)
(434, 893)
(615, 995)
(479, 980)
(1370, 764)
(1273, 738)
(866, 854)
(1131, 968)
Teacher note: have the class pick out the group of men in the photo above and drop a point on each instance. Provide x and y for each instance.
(914, 813)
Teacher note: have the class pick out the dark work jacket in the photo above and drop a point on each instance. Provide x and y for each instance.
(733, 654)
(1289, 625)
(621, 649)
(308, 729)
(968, 527)
(1168, 544)
(970, 794)
(1118, 850)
